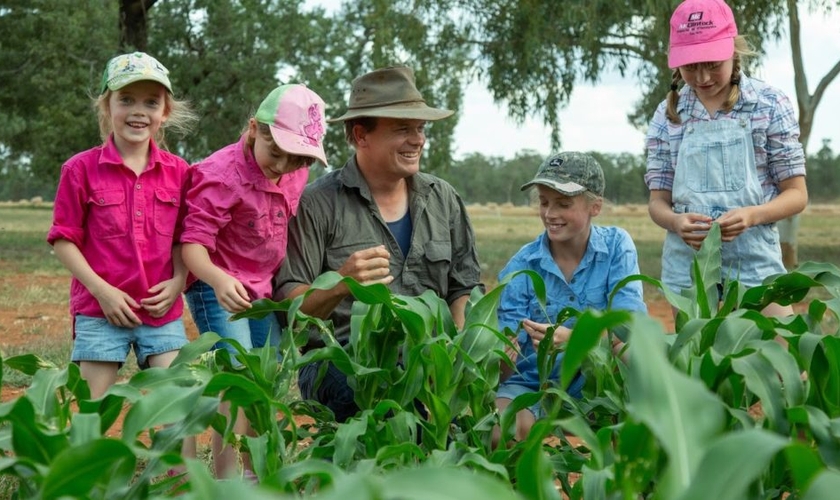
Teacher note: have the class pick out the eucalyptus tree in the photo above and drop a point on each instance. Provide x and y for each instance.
(531, 55)
(53, 52)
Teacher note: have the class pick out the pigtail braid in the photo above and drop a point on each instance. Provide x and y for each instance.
(673, 98)
(735, 90)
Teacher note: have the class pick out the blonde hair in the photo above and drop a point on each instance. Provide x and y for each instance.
(180, 117)
(742, 51)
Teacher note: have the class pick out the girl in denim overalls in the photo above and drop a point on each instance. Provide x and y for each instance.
(725, 148)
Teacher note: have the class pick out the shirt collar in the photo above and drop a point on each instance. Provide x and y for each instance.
(351, 177)
(596, 245)
(111, 155)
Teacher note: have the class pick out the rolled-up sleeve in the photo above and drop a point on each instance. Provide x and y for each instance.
(70, 208)
(305, 251)
(209, 202)
(515, 300)
(625, 262)
(785, 156)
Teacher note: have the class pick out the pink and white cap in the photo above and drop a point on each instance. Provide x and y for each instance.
(295, 115)
(701, 31)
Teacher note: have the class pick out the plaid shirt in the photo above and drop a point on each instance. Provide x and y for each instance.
(775, 133)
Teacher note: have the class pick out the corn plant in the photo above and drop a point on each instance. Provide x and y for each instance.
(730, 405)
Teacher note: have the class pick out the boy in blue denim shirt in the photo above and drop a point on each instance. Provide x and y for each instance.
(580, 264)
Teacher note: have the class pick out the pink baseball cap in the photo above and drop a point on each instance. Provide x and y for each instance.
(296, 117)
(701, 31)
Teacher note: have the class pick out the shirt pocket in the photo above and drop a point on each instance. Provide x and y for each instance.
(252, 228)
(596, 297)
(436, 263)
(108, 214)
(167, 208)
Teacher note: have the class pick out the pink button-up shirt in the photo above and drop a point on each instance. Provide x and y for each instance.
(240, 216)
(125, 225)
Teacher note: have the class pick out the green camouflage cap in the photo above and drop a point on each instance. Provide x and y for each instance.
(570, 173)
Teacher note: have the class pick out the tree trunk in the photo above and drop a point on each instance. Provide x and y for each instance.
(133, 32)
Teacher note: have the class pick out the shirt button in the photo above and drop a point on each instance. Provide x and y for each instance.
(280, 213)
(571, 298)
(138, 213)
(173, 199)
(137, 187)
(101, 201)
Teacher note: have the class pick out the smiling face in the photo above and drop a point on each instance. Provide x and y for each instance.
(710, 80)
(137, 112)
(273, 161)
(393, 148)
(566, 218)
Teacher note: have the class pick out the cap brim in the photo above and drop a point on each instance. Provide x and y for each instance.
(718, 50)
(297, 144)
(567, 188)
(118, 83)
(408, 113)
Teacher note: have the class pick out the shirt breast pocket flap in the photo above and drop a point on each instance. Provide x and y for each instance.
(107, 198)
(252, 228)
(167, 205)
(438, 251)
(108, 217)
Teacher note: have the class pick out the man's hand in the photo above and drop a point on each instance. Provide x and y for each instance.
(368, 266)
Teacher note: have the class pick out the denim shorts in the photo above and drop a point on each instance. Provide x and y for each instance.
(98, 340)
(511, 391)
(210, 316)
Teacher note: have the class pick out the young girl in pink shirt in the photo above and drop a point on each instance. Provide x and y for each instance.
(239, 202)
(116, 223)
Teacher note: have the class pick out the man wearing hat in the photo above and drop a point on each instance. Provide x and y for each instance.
(379, 219)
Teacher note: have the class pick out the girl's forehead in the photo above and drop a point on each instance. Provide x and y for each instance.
(142, 87)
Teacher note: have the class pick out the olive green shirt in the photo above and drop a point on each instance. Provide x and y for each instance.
(337, 216)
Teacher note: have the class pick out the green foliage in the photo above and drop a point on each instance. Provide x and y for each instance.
(225, 55)
(53, 56)
(718, 408)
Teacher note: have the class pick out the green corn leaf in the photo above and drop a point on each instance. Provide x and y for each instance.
(42, 392)
(77, 470)
(732, 463)
(196, 348)
(586, 335)
(164, 405)
(30, 438)
(804, 464)
(682, 414)
(534, 474)
(28, 364)
(825, 486)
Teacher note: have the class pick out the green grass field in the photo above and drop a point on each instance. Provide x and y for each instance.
(500, 232)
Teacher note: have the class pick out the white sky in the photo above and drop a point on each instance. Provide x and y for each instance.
(596, 117)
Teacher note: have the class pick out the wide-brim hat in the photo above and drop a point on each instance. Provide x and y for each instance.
(389, 93)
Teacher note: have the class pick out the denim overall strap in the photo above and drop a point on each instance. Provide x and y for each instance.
(715, 173)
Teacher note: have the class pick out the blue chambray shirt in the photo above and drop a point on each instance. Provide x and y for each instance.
(775, 132)
(610, 257)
